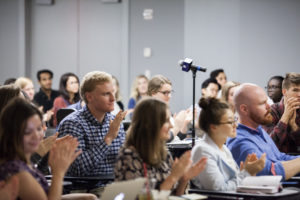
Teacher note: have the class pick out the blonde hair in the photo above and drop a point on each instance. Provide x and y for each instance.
(144, 132)
(134, 89)
(118, 94)
(226, 88)
(91, 80)
(156, 83)
(22, 82)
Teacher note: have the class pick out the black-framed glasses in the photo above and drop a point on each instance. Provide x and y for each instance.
(234, 122)
(273, 87)
(167, 93)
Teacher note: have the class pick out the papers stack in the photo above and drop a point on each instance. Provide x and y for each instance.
(260, 184)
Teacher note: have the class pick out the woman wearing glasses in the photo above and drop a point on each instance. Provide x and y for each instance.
(160, 88)
(221, 172)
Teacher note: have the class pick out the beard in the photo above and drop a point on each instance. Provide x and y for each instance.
(266, 119)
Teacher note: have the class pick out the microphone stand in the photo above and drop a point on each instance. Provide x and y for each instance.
(193, 126)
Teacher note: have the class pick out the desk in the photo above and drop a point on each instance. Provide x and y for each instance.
(287, 193)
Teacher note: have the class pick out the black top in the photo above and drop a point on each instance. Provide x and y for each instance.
(42, 99)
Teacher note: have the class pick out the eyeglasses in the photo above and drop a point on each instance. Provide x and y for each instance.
(167, 93)
(231, 122)
(272, 87)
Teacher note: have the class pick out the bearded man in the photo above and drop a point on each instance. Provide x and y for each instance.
(251, 104)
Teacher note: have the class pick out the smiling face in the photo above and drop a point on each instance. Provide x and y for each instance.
(165, 129)
(33, 134)
(164, 93)
(72, 85)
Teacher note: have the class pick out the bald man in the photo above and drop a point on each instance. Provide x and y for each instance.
(251, 104)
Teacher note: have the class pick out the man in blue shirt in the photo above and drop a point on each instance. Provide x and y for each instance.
(251, 104)
(99, 133)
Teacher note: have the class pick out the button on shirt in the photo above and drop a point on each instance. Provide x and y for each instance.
(96, 157)
(258, 141)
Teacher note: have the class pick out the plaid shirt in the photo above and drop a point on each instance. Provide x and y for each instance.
(286, 140)
(96, 157)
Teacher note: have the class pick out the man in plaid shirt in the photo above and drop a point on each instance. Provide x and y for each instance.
(99, 133)
(284, 129)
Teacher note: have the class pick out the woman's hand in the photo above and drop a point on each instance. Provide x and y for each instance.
(46, 145)
(181, 166)
(195, 169)
(63, 154)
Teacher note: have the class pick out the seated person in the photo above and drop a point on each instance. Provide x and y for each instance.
(144, 153)
(274, 88)
(221, 78)
(69, 93)
(21, 131)
(100, 134)
(160, 88)
(138, 90)
(221, 172)
(227, 93)
(251, 104)
(285, 127)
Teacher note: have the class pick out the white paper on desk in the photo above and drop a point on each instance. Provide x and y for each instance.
(261, 181)
(194, 196)
(180, 142)
(260, 184)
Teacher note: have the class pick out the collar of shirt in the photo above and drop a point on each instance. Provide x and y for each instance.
(258, 131)
(92, 119)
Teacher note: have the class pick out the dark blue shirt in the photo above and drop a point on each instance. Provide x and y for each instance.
(257, 141)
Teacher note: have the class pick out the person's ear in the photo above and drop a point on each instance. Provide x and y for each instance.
(212, 127)
(203, 90)
(244, 108)
(88, 96)
(284, 91)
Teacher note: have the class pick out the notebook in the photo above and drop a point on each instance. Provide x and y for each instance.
(123, 190)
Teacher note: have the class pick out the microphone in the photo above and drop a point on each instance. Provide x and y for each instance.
(186, 65)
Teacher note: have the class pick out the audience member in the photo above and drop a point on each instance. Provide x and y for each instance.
(21, 130)
(45, 97)
(10, 81)
(69, 93)
(221, 78)
(221, 172)
(145, 154)
(8, 92)
(139, 89)
(160, 88)
(274, 88)
(251, 104)
(285, 127)
(227, 93)
(100, 134)
(118, 103)
(26, 85)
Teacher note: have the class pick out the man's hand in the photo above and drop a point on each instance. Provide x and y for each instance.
(114, 127)
(290, 106)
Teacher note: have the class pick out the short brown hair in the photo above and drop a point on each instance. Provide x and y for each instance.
(144, 132)
(156, 83)
(291, 78)
(91, 79)
(12, 128)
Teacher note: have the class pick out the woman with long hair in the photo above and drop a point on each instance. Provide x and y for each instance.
(69, 93)
(145, 153)
(21, 131)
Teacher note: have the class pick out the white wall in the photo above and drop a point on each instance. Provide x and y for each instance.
(251, 39)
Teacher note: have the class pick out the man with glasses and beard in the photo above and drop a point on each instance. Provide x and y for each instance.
(251, 104)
